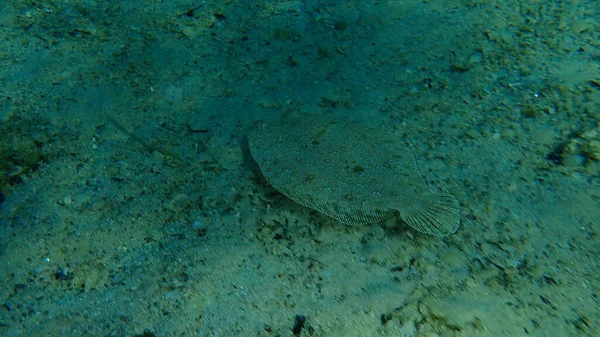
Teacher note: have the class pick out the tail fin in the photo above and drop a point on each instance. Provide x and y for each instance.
(433, 213)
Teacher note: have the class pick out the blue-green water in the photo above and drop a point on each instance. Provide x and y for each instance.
(130, 205)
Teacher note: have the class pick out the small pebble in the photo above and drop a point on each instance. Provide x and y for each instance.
(67, 200)
(573, 160)
(408, 329)
(508, 133)
(473, 134)
(197, 225)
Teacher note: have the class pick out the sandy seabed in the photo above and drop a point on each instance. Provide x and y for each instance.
(132, 207)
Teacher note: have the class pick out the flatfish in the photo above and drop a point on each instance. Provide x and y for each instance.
(352, 172)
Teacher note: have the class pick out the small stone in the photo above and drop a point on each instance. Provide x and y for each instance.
(67, 200)
(508, 133)
(572, 160)
(408, 329)
(473, 134)
(592, 149)
(190, 32)
(198, 225)
(340, 25)
(590, 134)
(530, 111)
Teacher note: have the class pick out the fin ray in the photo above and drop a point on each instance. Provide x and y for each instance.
(434, 214)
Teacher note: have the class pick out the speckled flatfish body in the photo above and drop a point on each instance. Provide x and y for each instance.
(352, 172)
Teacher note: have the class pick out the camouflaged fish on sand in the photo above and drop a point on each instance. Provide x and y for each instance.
(352, 172)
